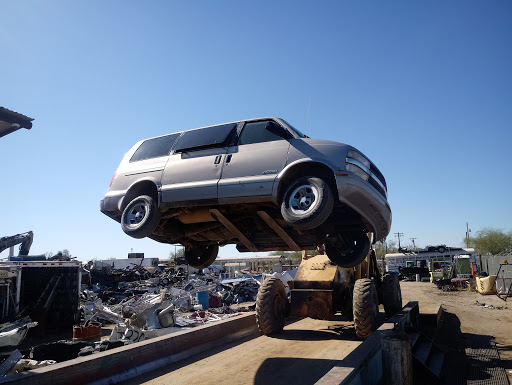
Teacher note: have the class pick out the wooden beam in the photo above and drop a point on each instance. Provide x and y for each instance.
(279, 230)
(231, 227)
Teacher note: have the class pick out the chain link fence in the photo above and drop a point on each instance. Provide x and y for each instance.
(491, 264)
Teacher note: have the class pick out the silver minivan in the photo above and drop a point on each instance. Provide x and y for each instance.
(260, 184)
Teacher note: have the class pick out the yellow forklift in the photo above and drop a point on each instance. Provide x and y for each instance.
(321, 289)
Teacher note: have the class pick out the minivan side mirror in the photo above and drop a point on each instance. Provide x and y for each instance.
(276, 129)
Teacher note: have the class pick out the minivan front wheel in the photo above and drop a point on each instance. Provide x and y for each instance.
(307, 203)
(349, 250)
(200, 256)
(141, 217)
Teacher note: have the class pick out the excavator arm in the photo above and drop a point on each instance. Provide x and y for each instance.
(25, 239)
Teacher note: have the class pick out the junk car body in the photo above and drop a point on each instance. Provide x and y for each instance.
(259, 183)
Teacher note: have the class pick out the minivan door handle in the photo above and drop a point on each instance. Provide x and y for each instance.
(217, 159)
(228, 158)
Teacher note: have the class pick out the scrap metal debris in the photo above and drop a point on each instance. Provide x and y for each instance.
(133, 304)
(490, 307)
(26, 364)
(12, 333)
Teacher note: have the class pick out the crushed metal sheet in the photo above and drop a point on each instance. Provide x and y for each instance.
(12, 333)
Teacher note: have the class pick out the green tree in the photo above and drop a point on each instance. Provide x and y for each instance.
(177, 254)
(385, 247)
(492, 241)
(294, 256)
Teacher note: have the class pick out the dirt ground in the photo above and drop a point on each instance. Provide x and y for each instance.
(479, 314)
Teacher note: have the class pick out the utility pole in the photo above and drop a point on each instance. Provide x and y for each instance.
(468, 230)
(413, 244)
(399, 235)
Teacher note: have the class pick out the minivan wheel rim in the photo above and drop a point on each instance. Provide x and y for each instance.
(136, 214)
(303, 199)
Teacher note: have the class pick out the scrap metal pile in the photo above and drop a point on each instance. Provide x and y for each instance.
(126, 306)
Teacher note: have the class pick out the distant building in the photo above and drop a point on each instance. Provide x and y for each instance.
(124, 263)
(394, 261)
(253, 263)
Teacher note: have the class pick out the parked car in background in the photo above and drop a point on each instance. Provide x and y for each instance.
(259, 183)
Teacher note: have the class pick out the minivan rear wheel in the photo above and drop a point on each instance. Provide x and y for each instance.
(140, 217)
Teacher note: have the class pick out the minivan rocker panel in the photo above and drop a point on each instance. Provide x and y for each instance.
(260, 184)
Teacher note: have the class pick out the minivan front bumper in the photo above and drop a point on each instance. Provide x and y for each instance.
(366, 201)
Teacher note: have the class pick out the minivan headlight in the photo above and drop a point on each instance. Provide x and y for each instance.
(358, 164)
(357, 170)
(360, 158)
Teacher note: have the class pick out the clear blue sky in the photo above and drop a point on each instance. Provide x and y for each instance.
(423, 88)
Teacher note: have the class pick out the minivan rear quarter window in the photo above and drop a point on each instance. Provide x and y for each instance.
(153, 148)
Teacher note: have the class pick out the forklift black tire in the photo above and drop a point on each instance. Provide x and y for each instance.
(200, 257)
(140, 217)
(272, 306)
(348, 306)
(307, 203)
(365, 307)
(391, 294)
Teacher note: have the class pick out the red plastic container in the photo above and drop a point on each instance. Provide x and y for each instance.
(87, 332)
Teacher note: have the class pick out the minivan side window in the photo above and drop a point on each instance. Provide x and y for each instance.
(213, 136)
(153, 148)
(255, 132)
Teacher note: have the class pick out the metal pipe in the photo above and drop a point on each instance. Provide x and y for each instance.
(18, 290)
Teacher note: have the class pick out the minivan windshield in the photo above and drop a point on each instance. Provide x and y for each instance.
(294, 129)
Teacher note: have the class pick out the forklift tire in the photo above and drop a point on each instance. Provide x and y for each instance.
(272, 306)
(365, 307)
(391, 294)
(348, 306)
(307, 203)
(200, 257)
(140, 217)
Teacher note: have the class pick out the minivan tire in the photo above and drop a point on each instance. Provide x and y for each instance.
(140, 217)
(200, 257)
(350, 257)
(307, 203)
